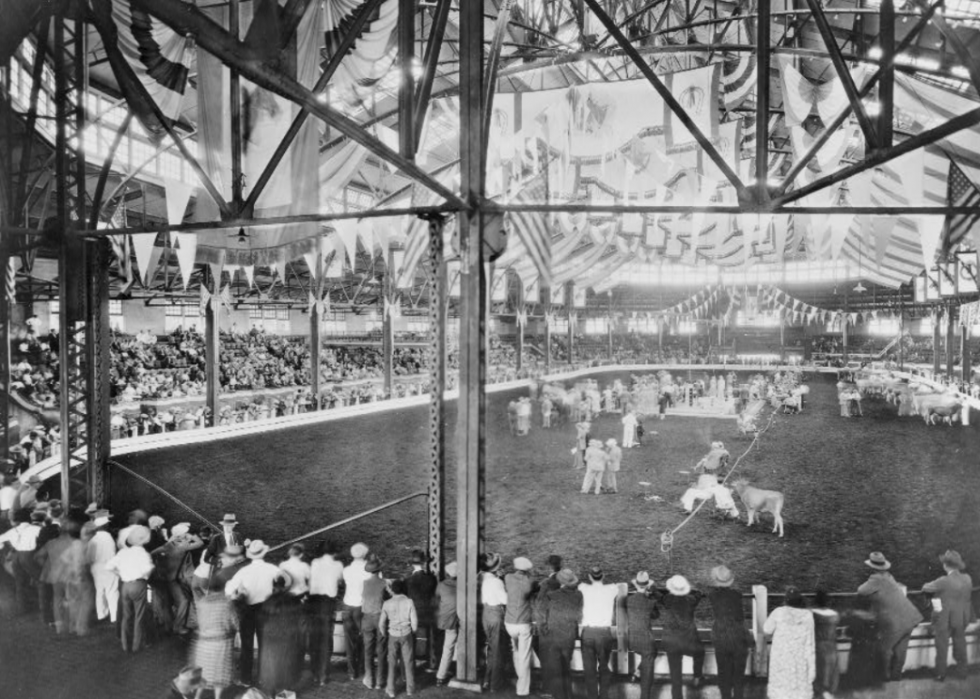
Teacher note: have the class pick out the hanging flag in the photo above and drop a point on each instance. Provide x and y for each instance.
(930, 232)
(11, 279)
(532, 228)
(697, 92)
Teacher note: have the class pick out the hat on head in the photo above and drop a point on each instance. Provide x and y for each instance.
(39, 515)
(491, 562)
(156, 521)
(595, 572)
(373, 565)
(138, 536)
(101, 517)
(566, 577)
(419, 557)
(877, 561)
(284, 578)
(34, 480)
(180, 528)
(678, 585)
(522, 563)
(721, 576)
(91, 509)
(359, 550)
(595, 443)
(952, 559)
(611, 442)
(642, 580)
(451, 569)
(229, 519)
(257, 549)
(717, 445)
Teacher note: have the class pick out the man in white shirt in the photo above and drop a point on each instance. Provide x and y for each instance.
(598, 642)
(250, 587)
(23, 540)
(326, 573)
(298, 569)
(134, 566)
(354, 577)
(98, 551)
(8, 493)
(493, 595)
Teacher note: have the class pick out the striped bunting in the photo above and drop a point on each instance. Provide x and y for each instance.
(532, 227)
(417, 233)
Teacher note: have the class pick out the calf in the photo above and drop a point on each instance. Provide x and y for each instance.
(759, 500)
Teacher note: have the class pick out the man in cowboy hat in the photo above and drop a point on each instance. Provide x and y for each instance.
(493, 595)
(561, 614)
(99, 550)
(250, 587)
(952, 610)
(641, 610)
(520, 589)
(729, 635)
(134, 566)
(595, 465)
(598, 642)
(136, 518)
(895, 616)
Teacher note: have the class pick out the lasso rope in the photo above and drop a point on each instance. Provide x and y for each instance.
(157, 488)
(667, 538)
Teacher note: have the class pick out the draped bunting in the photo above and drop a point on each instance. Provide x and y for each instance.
(800, 96)
(370, 59)
(697, 92)
(215, 301)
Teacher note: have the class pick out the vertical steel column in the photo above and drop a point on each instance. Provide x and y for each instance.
(212, 347)
(234, 91)
(471, 416)
(609, 327)
(316, 341)
(886, 87)
(437, 411)
(844, 337)
(763, 53)
(936, 344)
(966, 368)
(901, 339)
(5, 306)
(950, 341)
(406, 88)
(388, 324)
(520, 343)
(570, 316)
(97, 256)
(782, 340)
(546, 303)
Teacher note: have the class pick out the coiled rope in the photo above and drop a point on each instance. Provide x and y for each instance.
(165, 493)
(667, 538)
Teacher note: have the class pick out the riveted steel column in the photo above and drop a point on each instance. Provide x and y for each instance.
(437, 410)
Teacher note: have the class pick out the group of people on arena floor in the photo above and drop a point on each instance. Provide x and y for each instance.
(74, 568)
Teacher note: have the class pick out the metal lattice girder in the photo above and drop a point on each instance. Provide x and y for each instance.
(437, 413)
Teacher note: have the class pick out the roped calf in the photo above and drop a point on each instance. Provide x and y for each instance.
(759, 500)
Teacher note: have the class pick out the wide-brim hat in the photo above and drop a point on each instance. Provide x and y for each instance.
(566, 577)
(229, 519)
(138, 536)
(953, 560)
(100, 518)
(257, 549)
(39, 515)
(492, 562)
(156, 521)
(180, 528)
(877, 561)
(721, 576)
(678, 585)
(642, 580)
(34, 480)
(418, 557)
(717, 445)
(522, 563)
(595, 443)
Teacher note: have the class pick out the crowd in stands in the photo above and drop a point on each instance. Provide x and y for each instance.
(74, 569)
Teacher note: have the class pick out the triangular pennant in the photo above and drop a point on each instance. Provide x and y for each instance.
(884, 226)
(382, 236)
(185, 247)
(365, 231)
(838, 225)
(347, 232)
(279, 267)
(217, 269)
(249, 271)
(155, 254)
(178, 193)
(930, 232)
(143, 245)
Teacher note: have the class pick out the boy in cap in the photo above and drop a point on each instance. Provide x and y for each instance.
(517, 620)
(952, 610)
(447, 621)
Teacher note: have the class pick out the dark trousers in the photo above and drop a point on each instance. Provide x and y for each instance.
(375, 649)
(180, 600)
(559, 673)
(647, 660)
(352, 635)
(731, 671)
(597, 648)
(404, 647)
(132, 619)
(24, 571)
(892, 649)
(249, 626)
(429, 632)
(943, 633)
(322, 610)
(493, 627)
(45, 596)
(675, 661)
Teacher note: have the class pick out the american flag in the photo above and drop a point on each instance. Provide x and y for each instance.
(962, 192)
(531, 227)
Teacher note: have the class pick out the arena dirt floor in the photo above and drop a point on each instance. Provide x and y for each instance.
(851, 486)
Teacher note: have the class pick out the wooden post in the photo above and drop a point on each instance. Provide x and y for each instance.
(212, 348)
(936, 345)
(901, 339)
(6, 304)
(471, 411)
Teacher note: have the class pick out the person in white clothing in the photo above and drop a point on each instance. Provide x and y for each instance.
(702, 490)
(354, 577)
(99, 549)
(326, 573)
(629, 430)
(251, 586)
(134, 566)
(298, 569)
(595, 466)
(614, 457)
(598, 641)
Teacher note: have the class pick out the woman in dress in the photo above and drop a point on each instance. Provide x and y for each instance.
(792, 659)
(825, 622)
(214, 646)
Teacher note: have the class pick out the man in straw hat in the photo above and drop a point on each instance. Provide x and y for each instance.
(729, 635)
(598, 641)
(99, 550)
(561, 614)
(641, 610)
(493, 595)
(229, 535)
(595, 466)
(250, 587)
(895, 616)
(680, 635)
(520, 589)
(134, 566)
(354, 577)
(952, 610)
